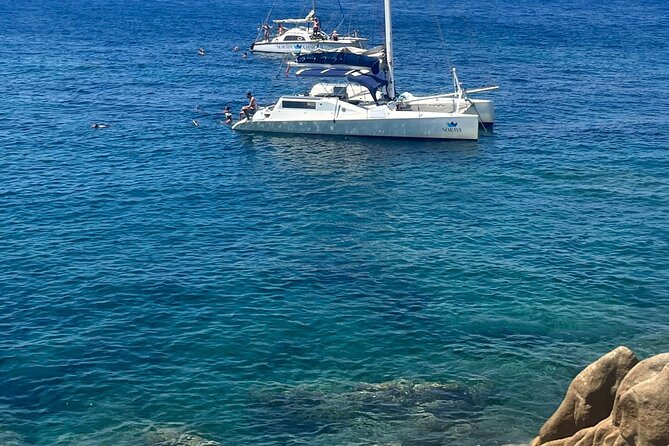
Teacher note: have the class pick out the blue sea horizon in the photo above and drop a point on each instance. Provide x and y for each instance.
(159, 278)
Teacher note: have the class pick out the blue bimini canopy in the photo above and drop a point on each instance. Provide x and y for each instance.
(370, 81)
(341, 58)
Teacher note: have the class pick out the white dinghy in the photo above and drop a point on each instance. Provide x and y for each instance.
(338, 116)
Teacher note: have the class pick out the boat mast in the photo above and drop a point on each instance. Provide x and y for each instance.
(390, 88)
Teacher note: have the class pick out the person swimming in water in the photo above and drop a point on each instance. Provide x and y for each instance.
(227, 114)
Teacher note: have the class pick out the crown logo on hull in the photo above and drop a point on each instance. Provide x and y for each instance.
(452, 125)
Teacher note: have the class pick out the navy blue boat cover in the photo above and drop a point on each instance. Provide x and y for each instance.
(341, 58)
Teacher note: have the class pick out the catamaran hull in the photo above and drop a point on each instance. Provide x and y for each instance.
(304, 46)
(461, 127)
(483, 107)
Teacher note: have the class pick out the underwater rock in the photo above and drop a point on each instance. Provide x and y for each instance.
(411, 397)
(640, 412)
(8, 438)
(409, 411)
(174, 437)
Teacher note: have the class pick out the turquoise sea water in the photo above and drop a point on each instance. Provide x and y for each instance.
(259, 290)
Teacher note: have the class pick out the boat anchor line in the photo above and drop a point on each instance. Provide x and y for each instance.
(476, 110)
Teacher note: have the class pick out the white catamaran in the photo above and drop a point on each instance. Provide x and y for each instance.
(295, 36)
(335, 115)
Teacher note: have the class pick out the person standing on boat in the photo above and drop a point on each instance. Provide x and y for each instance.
(249, 110)
(334, 35)
(265, 30)
(317, 27)
(281, 29)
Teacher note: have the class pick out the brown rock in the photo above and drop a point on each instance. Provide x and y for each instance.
(606, 434)
(603, 434)
(590, 397)
(644, 370)
(643, 411)
(561, 442)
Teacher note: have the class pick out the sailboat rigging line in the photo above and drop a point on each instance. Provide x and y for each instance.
(341, 10)
(281, 70)
(441, 34)
(269, 14)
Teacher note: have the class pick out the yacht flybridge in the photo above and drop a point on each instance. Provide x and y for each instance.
(338, 114)
(295, 36)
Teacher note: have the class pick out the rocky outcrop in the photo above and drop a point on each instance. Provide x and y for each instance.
(643, 410)
(615, 401)
(590, 396)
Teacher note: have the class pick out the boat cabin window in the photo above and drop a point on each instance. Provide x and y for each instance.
(310, 105)
(339, 92)
(292, 38)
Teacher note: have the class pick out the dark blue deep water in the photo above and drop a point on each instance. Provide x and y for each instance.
(157, 277)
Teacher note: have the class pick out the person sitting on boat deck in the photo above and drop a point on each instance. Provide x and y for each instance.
(334, 35)
(249, 110)
(227, 114)
(265, 30)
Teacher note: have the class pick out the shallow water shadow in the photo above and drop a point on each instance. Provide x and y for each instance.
(414, 412)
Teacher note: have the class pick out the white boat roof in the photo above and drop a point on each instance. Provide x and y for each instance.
(308, 19)
(293, 21)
